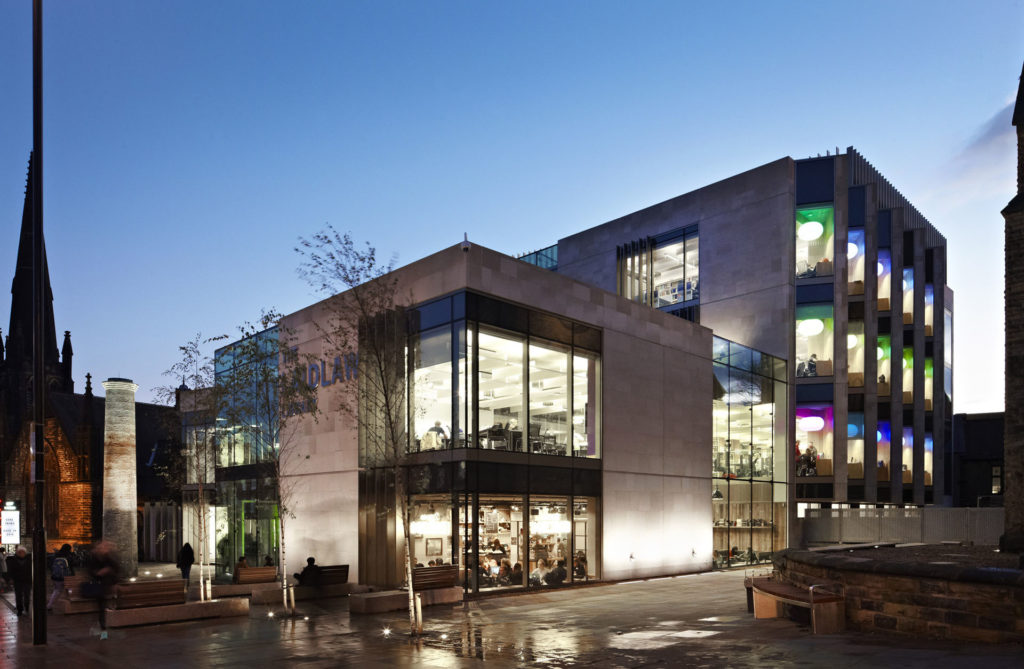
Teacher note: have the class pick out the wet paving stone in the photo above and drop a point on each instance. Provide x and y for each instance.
(692, 621)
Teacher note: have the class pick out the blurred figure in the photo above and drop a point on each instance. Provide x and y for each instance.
(104, 570)
(186, 558)
(19, 569)
(60, 568)
(4, 579)
(268, 561)
(310, 573)
(243, 563)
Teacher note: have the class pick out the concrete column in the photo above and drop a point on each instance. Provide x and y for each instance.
(120, 492)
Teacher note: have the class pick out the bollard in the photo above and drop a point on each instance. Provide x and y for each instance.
(419, 614)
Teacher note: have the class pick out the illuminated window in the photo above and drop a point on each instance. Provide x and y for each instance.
(908, 455)
(431, 391)
(929, 383)
(883, 438)
(884, 355)
(814, 325)
(929, 448)
(661, 271)
(908, 296)
(814, 439)
(855, 353)
(884, 270)
(997, 480)
(855, 258)
(855, 444)
(929, 310)
(908, 375)
(814, 241)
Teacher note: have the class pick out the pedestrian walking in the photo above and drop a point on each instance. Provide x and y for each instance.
(19, 566)
(4, 580)
(186, 558)
(103, 569)
(60, 568)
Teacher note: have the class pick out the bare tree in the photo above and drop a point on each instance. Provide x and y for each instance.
(199, 402)
(366, 313)
(261, 378)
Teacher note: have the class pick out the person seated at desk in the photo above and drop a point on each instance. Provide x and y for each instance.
(579, 567)
(538, 574)
(496, 547)
(517, 574)
(557, 575)
(505, 572)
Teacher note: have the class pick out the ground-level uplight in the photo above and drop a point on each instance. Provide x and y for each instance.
(387, 631)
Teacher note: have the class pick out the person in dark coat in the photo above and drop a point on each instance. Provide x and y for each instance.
(19, 570)
(310, 573)
(103, 568)
(186, 558)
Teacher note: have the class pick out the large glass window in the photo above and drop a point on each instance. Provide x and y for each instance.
(908, 296)
(500, 383)
(814, 439)
(661, 271)
(815, 231)
(908, 375)
(549, 399)
(430, 529)
(855, 354)
(884, 271)
(675, 273)
(431, 410)
(883, 437)
(584, 405)
(499, 561)
(884, 355)
(550, 548)
(585, 552)
(855, 257)
(464, 393)
(814, 325)
(908, 455)
(855, 444)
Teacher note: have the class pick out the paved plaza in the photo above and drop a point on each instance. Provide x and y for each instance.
(699, 620)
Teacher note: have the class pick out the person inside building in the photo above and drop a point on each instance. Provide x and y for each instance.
(538, 574)
(557, 575)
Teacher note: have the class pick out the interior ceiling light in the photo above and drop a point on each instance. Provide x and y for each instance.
(811, 423)
(810, 327)
(852, 250)
(881, 269)
(851, 341)
(881, 352)
(810, 231)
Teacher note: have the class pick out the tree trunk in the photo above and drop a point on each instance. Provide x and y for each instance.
(404, 505)
(280, 561)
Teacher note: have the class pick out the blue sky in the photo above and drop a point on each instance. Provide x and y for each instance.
(189, 144)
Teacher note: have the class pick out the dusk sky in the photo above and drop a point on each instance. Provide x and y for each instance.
(188, 145)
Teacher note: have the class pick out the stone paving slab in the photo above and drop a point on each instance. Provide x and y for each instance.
(691, 621)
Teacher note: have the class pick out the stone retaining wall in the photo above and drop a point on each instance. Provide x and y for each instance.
(939, 601)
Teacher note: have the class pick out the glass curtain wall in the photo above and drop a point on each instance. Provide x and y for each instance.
(814, 439)
(929, 310)
(929, 450)
(749, 441)
(662, 271)
(431, 392)
(815, 234)
(929, 382)
(501, 393)
(549, 398)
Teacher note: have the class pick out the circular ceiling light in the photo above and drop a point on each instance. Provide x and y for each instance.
(852, 250)
(851, 341)
(881, 352)
(852, 430)
(810, 327)
(881, 269)
(811, 423)
(810, 231)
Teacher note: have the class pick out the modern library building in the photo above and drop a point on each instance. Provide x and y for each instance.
(656, 395)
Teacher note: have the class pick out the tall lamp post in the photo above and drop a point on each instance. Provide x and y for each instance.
(38, 444)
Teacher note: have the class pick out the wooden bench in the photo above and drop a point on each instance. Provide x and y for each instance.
(333, 574)
(159, 592)
(828, 614)
(429, 578)
(246, 575)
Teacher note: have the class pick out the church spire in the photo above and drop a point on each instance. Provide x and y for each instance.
(19, 334)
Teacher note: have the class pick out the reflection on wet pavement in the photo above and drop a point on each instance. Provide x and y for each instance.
(698, 620)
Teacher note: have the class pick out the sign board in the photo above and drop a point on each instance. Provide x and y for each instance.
(10, 527)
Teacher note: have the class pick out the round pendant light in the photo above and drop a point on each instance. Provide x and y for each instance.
(810, 231)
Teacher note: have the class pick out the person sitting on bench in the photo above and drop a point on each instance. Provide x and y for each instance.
(310, 573)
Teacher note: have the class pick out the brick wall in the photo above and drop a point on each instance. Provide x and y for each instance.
(920, 605)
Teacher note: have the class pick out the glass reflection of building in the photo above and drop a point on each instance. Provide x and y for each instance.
(504, 448)
(749, 464)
